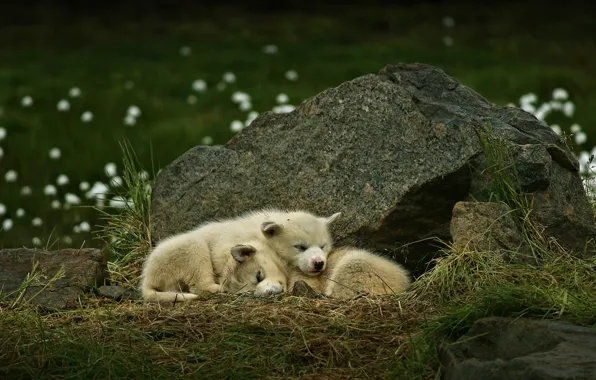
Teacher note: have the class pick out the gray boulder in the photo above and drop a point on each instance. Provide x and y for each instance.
(81, 269)
(498, 348)
(393, 151)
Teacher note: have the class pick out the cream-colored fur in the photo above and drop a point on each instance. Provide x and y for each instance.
(351, 271)
(199, 262)
(301, 239)
(174, 275)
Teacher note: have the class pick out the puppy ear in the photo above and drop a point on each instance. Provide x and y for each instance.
(241, 252)
(271, 229)
(332, 218)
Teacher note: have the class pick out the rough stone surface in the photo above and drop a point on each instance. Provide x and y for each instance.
(485, 226)
(498, 348)
(117, 292)
(392, 151)
(302, 289)
(82, 269)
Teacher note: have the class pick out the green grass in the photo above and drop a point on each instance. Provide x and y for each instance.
(501, 52)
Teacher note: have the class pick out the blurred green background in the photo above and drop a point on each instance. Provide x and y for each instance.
(124, 56)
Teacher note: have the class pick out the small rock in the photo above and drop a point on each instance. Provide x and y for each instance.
(82, 270)
(117, 292)
(302, 289)
(498, 348)
(485, 226)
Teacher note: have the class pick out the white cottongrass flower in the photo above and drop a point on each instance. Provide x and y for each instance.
(55, 153)
(20, 213)
(76, 229)
(236, 126)
(36, 222)
(50, 190)
(87, 116)
(568, 108)
(448, 22)
(133, 111)
(556, 105)
(143, 175)
(270, 49)
(2, 133)
(291, 75)
(448, 41)
(560, 94)
(63, 105)
(97, 191)
(191, 99)
(62, 180)
(528, 98)
(85, 226)
(229, 77)
(221, 86)
(7, 224)
(55, 204)
(27, 101)
(110, 169)
(118, 201)
(116, 181)
(575, 128)
(245, 106)
(239, 97)
(207, 140)
(286, 108)
(25, 190)
(584, 159)
(67, 239)
(2, 209)
(74, 92)
(36, 241)
(199, 85)
(282, 98)
(130, 120)
(185, 51)
(128, 85)
(528, 107)
(11, 176)
(72, 199)
(250, 118)
(581, 138)
(84, 186)
(542, 111)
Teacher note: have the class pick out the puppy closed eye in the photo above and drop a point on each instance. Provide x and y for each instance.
(259, 276)
(300, 247)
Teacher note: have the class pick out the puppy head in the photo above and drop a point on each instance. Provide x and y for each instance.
(301, 239)
(255, 267)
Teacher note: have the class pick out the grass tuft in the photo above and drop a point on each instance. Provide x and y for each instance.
(126, 231)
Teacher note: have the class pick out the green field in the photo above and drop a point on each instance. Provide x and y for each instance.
(117, 61)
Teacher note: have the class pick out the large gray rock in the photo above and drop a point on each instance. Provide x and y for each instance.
(393, 151)
(81, 270)
(498, 348)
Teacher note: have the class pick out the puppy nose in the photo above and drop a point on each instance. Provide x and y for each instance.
(319, 265)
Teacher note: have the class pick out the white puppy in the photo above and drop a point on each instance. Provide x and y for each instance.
(202, 261)
(351, 271)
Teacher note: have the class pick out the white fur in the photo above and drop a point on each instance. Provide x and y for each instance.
(351, 271)
(303, 239)
(202, 261)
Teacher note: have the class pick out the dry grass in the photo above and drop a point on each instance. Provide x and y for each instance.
(222, 337)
